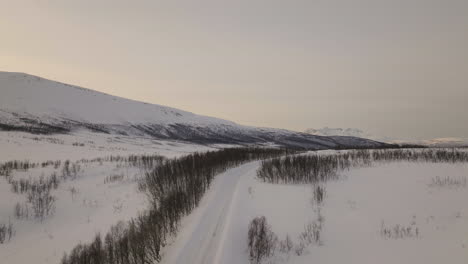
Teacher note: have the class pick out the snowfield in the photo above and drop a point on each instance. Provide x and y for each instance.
(84, 144)
(359, 215)
(85, 205)
(356, 212)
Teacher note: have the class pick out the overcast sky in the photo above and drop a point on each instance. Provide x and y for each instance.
(395, 68)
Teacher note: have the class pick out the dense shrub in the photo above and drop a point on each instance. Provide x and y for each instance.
(301, 169)
(261, 240)
(317, 168)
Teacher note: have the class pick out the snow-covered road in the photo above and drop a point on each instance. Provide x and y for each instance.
(202, 239)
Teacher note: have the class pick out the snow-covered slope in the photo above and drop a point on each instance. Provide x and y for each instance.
(26, 94)
(37, 105)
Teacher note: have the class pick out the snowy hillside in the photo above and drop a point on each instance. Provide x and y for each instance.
(36, 105)
(25, 94)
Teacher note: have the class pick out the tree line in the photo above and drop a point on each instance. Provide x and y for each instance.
(143, 161)
(175, 188)
(320, 168)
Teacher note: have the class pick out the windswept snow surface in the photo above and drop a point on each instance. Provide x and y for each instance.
(354, 210)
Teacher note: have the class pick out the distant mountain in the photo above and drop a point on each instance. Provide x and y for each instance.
(354, 132)
(436, 142)
(348, 132)
(37, 105)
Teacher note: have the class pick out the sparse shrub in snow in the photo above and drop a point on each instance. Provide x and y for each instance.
(48, 163)
(49, 139)
(114, 178)
(318, 194)
(43, 204)
(73, 192)
(399, 231)
(21, 211)
(6, 232)
(262, 242)
(286, 245)
(40, 201)
(448, 181)
(75, 170)
(57, 164)
(70, 170)
(311, 234)
(8, 167)
(66, 169)
(299, 248)
(54, 181)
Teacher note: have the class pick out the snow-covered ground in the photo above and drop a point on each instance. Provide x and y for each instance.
(359, 214)
(85, 144)
(84, 205)
(359, 217)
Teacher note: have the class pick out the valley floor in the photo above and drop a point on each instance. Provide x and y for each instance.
(360, 215)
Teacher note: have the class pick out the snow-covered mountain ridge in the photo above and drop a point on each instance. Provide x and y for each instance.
(348, 132)
(37, 105)
(354, 132)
